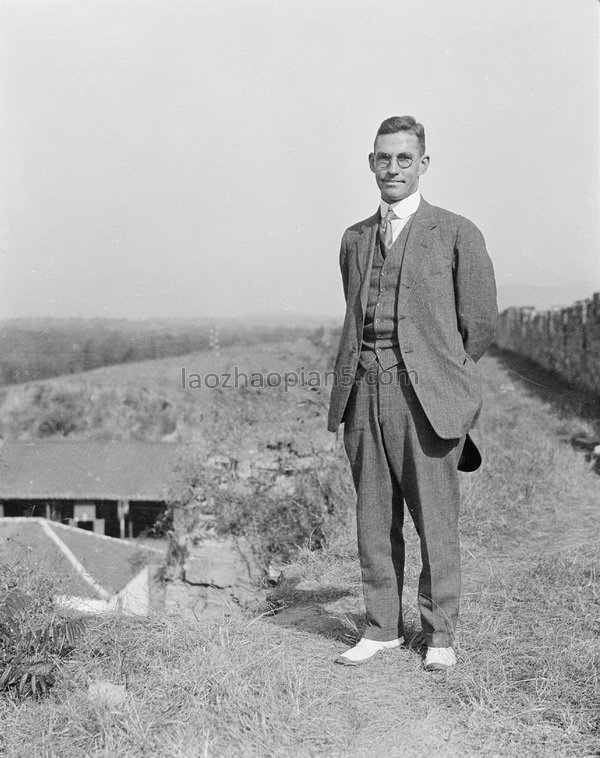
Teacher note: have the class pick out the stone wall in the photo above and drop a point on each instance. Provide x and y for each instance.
(207, 573)
(215, 576)
(566, 341)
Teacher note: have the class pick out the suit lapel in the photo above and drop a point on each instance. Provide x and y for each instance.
(418, 247)
(365, 249)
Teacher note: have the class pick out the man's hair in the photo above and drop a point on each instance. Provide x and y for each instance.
(403, 124)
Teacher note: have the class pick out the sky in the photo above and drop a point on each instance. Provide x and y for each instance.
(190, 158)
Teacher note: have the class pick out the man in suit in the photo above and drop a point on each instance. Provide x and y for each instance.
(420, 311)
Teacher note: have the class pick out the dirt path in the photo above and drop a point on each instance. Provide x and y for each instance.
(400, 710)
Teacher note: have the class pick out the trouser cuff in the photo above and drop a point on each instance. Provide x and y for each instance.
(438, 639)
(382, 635)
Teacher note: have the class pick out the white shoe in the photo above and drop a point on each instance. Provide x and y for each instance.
(365, 650)
(439, 658)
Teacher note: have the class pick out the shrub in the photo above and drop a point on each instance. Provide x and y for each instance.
(277, 510)
(32, 638)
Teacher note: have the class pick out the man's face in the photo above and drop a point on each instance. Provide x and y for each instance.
(395, 182)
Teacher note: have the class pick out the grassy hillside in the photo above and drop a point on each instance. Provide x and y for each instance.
(146, 400)
(528, 646)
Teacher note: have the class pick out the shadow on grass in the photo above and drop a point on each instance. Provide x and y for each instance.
(562, 396)
(306, 610)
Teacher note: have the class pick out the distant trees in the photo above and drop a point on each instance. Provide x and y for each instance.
(32, 349)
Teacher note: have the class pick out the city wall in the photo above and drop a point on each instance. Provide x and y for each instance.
(565, 340)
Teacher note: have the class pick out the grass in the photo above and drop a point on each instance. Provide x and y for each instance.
(528, 644)
(145, 401)
(529, 683)
(237, 689)
(242, 688)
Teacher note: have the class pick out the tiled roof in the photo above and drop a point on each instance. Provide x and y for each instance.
(109, 562)
(87, 469)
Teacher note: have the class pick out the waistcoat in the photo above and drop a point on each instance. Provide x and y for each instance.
(380, 331)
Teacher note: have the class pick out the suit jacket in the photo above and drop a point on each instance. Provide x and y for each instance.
(446, 314)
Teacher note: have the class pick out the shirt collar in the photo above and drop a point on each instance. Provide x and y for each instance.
(402, 208)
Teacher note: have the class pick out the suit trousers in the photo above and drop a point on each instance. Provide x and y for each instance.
(396, 457)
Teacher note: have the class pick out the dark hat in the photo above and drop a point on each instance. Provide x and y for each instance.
(470, 459)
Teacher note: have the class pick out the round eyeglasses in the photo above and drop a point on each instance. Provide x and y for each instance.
(383, 160)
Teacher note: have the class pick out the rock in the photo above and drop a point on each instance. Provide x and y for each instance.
(284, 485)
(218, 576)
(266, 463)
(107, 693)
(221, 461)
(255, 572)
(274, 574)
(221, 563)
(244, 469)
(201, 601)
(305, 463)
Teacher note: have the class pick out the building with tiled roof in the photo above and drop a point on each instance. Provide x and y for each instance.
(116, 488)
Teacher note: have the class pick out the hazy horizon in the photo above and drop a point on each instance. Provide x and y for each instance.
(202, 158)
(509, 295)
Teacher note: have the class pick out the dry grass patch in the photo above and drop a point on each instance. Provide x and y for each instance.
(242, 688)
(528, 681)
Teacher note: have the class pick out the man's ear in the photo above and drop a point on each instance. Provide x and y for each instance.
(423, 164)
(372, 162)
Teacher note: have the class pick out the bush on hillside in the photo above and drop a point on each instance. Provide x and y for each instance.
(278, 510)
(33, 638)
(61, 409)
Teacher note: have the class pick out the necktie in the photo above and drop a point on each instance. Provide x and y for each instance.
(385, 231)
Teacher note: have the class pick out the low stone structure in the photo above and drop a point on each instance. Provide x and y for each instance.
(215, 576)
(563, 340)
(207, 574)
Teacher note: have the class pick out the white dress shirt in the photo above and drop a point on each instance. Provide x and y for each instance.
(404, 209)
